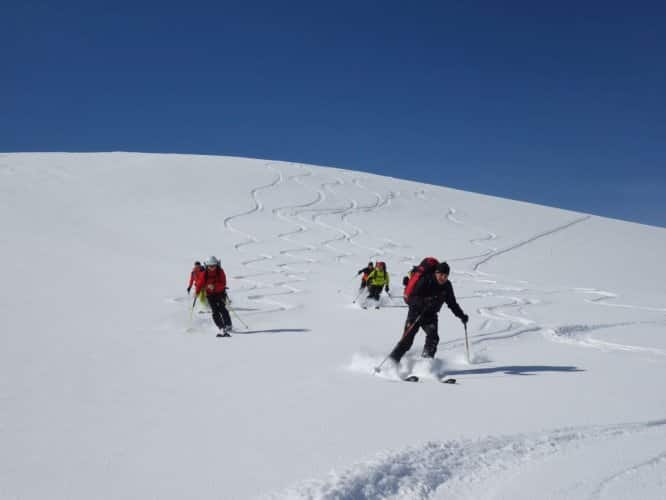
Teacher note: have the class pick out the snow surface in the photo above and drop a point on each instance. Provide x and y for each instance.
(109, 390)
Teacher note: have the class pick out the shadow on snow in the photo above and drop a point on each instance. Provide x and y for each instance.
(516, 370)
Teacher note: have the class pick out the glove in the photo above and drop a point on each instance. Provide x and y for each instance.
(387, 289)
(464, 319)
(188, 290)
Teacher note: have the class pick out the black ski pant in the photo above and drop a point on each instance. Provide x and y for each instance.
(415, 320)
(221, 316)
(374, 291)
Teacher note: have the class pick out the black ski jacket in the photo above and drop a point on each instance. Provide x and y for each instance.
(428, 297)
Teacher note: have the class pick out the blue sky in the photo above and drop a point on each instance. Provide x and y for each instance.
(559, 103)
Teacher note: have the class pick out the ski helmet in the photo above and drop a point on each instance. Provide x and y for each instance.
(212, 261)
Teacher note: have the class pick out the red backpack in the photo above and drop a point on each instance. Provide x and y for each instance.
(426, 266)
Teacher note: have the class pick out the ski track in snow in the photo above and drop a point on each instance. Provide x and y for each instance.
(498, 324)
(304, 217)
(577, 334)
(530, 240)
(451, 217)
(605, 296)
(251, 239)
(455, 469)
(517, 325)
(608, 482)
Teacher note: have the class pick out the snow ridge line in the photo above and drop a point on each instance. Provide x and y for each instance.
(530, 240)
(451, 468)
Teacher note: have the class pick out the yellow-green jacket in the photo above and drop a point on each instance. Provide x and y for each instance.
(378, 277)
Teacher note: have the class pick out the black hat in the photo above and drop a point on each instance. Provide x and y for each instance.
(443, 268)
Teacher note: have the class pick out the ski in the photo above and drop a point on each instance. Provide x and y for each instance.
(223, 335)
(415, 378)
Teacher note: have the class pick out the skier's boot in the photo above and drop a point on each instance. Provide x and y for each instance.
(224, 332)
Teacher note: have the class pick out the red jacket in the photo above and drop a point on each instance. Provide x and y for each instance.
(213, 281)
(194, 275)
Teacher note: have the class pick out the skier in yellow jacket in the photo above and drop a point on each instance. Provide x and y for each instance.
(377, 280)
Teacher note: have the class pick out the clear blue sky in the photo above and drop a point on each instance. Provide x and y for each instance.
(560, 103)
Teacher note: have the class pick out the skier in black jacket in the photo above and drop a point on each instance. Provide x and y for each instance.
(429, 294)
(365, 272)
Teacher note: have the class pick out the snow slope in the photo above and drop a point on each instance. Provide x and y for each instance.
(107, 390)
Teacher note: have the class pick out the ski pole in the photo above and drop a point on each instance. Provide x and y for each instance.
(358, 295)
(237, 316)
(405, 333)
(467, 344)
(196, 295)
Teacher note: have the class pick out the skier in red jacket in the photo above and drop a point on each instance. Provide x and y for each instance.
(197, 270)
(194, 275)
(213, 282)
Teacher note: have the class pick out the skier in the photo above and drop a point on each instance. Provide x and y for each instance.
(197, 270)
(365, 271)
(213, 282)
(425, 298)
(377, 279)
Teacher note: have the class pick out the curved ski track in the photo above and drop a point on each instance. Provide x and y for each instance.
(455, 469)
(297, 215)
(312, 213)
(517, 325)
